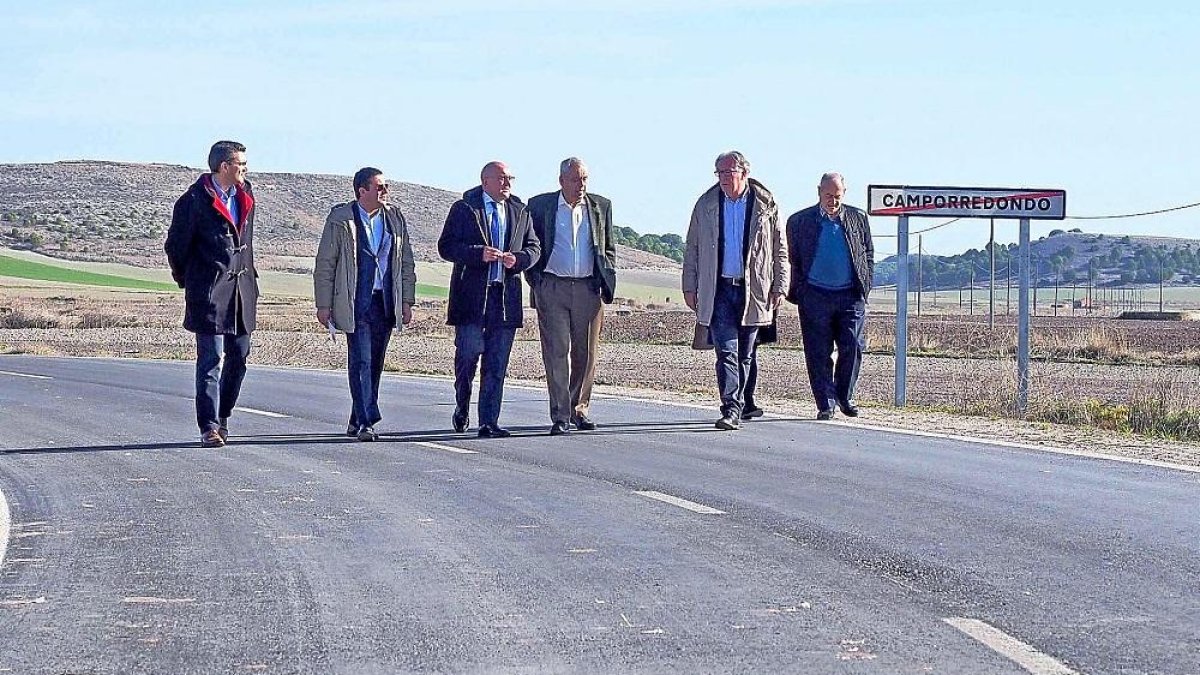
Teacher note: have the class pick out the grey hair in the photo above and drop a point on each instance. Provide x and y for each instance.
(568, 163)
(832, 177)
(739, 158)
(494, 164)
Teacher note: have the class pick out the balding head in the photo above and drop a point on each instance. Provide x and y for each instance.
(831, 191)
(496, 180)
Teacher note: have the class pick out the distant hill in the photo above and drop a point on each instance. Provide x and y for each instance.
(119, 212)
(1065, 256)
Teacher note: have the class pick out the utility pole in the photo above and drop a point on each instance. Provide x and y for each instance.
(1160, 284)
(920, 265)
(1008, 287)
(1057, 274)
(971, 307)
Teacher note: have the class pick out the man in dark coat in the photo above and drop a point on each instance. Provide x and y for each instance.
(833, 262)
(210, 248)
(488, 237)
(575, 275)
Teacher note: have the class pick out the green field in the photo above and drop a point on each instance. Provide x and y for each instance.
(26, 269)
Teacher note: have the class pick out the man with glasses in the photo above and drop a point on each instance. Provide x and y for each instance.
(364, 273)
(735, 272)
(576, 273)
(210, 248)
(489, 239)
(833, 265)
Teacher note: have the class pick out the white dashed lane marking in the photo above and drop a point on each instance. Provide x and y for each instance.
(680, 502)
(264, 413)
(1011, 648)
(32, 377)
(447, 448)
(4, 521)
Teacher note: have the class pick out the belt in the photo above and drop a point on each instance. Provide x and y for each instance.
(734, 281)
(495, 284)
(559, 276)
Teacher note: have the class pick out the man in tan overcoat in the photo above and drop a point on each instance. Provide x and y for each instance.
(735, 273)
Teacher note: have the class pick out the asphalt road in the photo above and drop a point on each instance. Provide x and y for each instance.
(294, 549)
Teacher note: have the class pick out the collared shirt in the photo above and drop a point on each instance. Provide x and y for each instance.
(573, 254)
(732, 262)
(376, 234)
(495, 209)
(228, 199)
(832, 268)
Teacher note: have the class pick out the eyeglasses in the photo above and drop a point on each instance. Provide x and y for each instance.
(382, 187)
(234, 161)
(506, 178)
(728, 172)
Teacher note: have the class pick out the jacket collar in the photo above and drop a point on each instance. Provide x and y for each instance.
(244, 199)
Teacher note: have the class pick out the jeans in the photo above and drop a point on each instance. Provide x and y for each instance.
(828, 318)
(734, 345)
(493, 342)
(366, 348)
(218, 384)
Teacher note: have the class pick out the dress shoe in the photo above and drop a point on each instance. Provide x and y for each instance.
(559, 428)
(211, 439)
(493, 431)
(367, 434)
(460, 422)
(751, 411)
(824, 414)
(224, 429)
(729, 423)
(848, 409)
(352, 429)
(583, 423)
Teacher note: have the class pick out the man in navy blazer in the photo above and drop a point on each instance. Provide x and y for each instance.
(575, 275)
(489, 239)
(833, 263)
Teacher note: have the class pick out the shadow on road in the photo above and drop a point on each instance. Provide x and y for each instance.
(427, 436)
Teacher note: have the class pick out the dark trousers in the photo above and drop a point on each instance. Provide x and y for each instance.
(491, 341)
(734, 345)
(218, 382)
(751, 380)
(366, 348)
(828, 318)
(570, 316)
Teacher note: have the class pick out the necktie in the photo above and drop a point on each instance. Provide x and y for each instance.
(496, 273)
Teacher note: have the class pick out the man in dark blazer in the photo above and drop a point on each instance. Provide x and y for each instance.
(574, 276)
(833, 263)
(210, 248)
(488, 237)
(364, 277)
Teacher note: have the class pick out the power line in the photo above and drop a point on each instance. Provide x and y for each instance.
(1136, 215)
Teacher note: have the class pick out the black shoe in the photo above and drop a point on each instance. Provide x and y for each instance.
(583, 423)
(848, 409)
(493, 431)
(460, 422)
(224, 429)
(729, 423)
(824, 414)
(352, 429)
(559, 428)
(367, 434)
(750, 412)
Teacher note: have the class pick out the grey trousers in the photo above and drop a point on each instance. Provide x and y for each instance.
(570, 316)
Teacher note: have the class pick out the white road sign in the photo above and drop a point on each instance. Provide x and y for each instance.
(957, 202)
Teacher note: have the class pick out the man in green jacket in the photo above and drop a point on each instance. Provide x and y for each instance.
(364, 276)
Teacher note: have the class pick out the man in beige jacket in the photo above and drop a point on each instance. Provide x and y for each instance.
(735, 272)
(364, 275)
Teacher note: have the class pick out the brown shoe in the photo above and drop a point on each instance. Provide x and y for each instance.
(212, 439)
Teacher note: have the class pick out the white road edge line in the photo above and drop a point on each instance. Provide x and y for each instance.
(32, 377)
(3, 527)
(1157, 463)
(447, 448)
(264, 413)
(1011, 648)
(680, 502)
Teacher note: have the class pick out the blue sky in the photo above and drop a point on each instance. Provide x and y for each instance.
(1098, 98)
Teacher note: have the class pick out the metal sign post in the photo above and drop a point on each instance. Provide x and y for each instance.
(1024, 204)
(901, 309)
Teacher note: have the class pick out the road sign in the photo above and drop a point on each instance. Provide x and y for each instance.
(959, 202)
